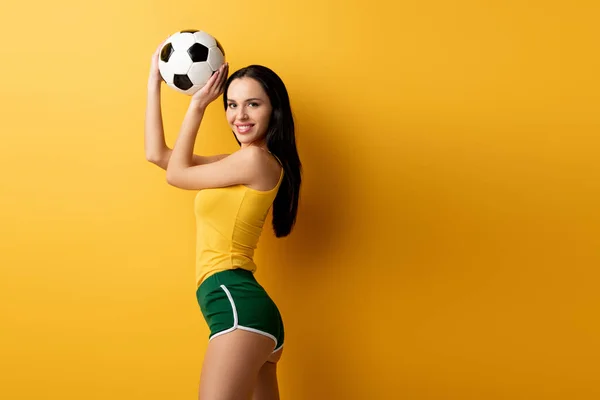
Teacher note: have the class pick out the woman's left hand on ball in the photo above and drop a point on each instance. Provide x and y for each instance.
(212, 89)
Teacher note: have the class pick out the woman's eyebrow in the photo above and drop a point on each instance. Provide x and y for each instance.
(251, 99)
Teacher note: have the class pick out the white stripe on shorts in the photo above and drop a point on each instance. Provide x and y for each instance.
(236, 325)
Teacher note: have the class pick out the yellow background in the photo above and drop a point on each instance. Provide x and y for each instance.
(447, 244)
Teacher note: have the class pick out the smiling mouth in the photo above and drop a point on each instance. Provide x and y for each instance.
(244, 128)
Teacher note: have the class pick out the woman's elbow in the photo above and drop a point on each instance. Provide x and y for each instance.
(156, 160)
(171, 177)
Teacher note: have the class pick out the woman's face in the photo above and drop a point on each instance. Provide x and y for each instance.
(248, 110)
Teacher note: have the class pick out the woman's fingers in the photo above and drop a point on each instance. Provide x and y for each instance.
(213, 87)
(212, 82)
(223, 78)
(217, 80)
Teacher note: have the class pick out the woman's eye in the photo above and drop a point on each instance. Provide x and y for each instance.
(231, 105)
(254, 104)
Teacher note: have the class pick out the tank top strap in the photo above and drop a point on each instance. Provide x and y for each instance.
(277, 158)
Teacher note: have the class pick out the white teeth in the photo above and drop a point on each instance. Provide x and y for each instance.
(243, 128)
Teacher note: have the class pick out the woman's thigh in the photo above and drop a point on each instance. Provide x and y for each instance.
(231, 365)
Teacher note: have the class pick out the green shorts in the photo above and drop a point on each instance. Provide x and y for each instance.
(233, 299)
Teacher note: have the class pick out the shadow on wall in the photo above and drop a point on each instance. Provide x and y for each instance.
(323, 365)
(323, 214)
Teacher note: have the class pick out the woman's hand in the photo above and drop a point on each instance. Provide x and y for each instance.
(155, 79)
(212, 89)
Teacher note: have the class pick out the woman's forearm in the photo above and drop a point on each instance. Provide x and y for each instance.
(182, 154)
(154, 137)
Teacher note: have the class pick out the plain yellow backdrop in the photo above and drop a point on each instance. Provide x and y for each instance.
(448, 236)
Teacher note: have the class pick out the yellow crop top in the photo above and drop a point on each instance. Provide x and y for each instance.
(229, 222)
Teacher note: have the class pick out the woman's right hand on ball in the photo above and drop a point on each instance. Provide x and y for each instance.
(155, 78)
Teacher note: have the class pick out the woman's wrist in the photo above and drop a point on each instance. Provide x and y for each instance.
(197, 106)
(154, 85)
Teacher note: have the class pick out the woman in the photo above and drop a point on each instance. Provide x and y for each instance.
(235, 193)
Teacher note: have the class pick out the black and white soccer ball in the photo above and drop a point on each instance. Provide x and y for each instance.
(188, 59)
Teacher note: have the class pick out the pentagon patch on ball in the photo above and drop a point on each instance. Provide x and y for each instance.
(188, 59)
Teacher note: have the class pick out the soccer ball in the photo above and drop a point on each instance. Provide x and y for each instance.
(188, 59)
